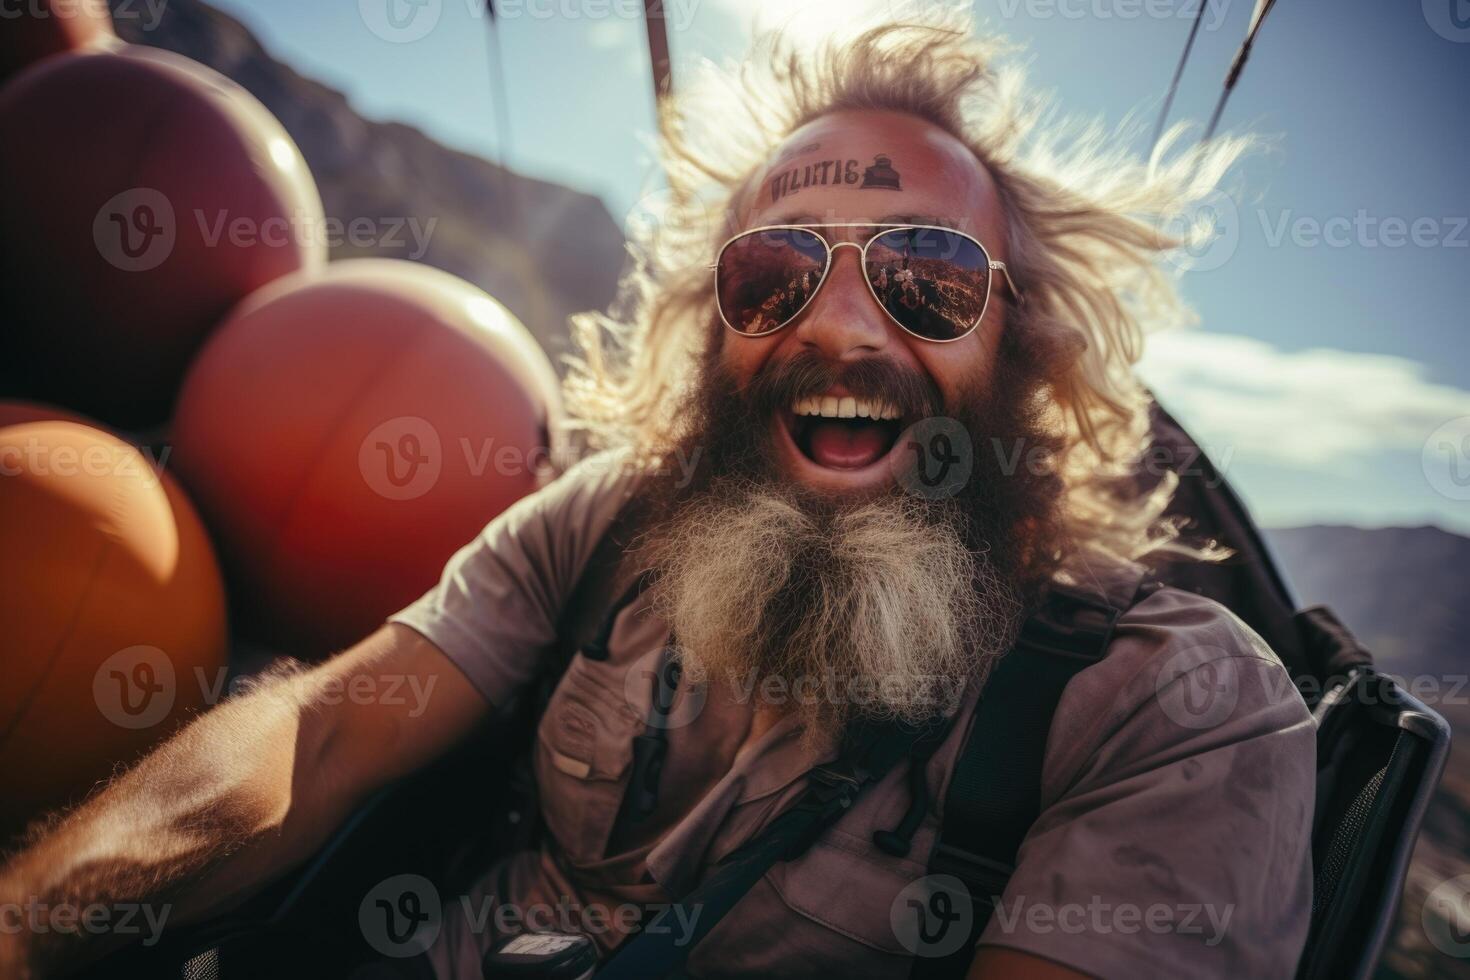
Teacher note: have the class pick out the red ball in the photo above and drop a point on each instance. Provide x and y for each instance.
(35, 29)
(147, 195)
(344, 433)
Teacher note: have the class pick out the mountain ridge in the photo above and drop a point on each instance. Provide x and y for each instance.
(544, 250)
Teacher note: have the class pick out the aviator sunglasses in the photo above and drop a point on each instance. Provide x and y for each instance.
(934, 282)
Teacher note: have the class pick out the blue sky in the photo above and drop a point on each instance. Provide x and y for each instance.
(1327, 372)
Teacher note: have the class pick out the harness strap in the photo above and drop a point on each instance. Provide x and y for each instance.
(866, 756)
(995, 790)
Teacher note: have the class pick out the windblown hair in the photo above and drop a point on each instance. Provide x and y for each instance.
(1088, 225)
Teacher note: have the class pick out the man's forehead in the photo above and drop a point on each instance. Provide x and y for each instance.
(873, 167)
(947, 218)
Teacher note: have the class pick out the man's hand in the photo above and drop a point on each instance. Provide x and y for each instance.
(240, 795)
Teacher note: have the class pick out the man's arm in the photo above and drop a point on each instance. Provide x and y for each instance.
(240, 795)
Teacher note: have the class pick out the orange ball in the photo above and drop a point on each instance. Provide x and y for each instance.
(113, 606)
(148, 195)
(345, 433)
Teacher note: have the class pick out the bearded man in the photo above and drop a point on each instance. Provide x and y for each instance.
(788, 550)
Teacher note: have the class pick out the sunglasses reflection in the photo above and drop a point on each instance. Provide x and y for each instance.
(934, 296)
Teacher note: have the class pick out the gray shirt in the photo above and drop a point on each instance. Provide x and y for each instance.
(1177, 791)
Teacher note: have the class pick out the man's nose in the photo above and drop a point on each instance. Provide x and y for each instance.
(843, 322)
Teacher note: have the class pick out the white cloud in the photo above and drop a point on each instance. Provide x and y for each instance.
(1311, 409)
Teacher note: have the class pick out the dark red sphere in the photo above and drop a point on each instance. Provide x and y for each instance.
(144, 196)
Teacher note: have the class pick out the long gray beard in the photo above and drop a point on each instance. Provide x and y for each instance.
(877, 609)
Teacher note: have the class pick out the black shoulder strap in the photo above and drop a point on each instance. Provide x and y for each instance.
(995, 790)
(867, 754)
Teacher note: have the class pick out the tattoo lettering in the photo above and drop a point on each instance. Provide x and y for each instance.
(880, 176)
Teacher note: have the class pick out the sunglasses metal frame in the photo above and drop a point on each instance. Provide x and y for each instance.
(831, 247)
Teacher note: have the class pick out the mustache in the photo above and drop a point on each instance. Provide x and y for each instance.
(806, 373)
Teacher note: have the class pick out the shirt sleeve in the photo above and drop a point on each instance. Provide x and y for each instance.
(495, 610)
(1178, 793)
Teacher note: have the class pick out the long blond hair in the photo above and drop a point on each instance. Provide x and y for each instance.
(1087, 222)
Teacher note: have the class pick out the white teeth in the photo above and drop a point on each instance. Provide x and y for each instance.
(844, 407)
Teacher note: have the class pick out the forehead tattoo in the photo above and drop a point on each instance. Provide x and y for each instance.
(800, 170)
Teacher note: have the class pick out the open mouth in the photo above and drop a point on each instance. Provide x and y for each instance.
(842, 432)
